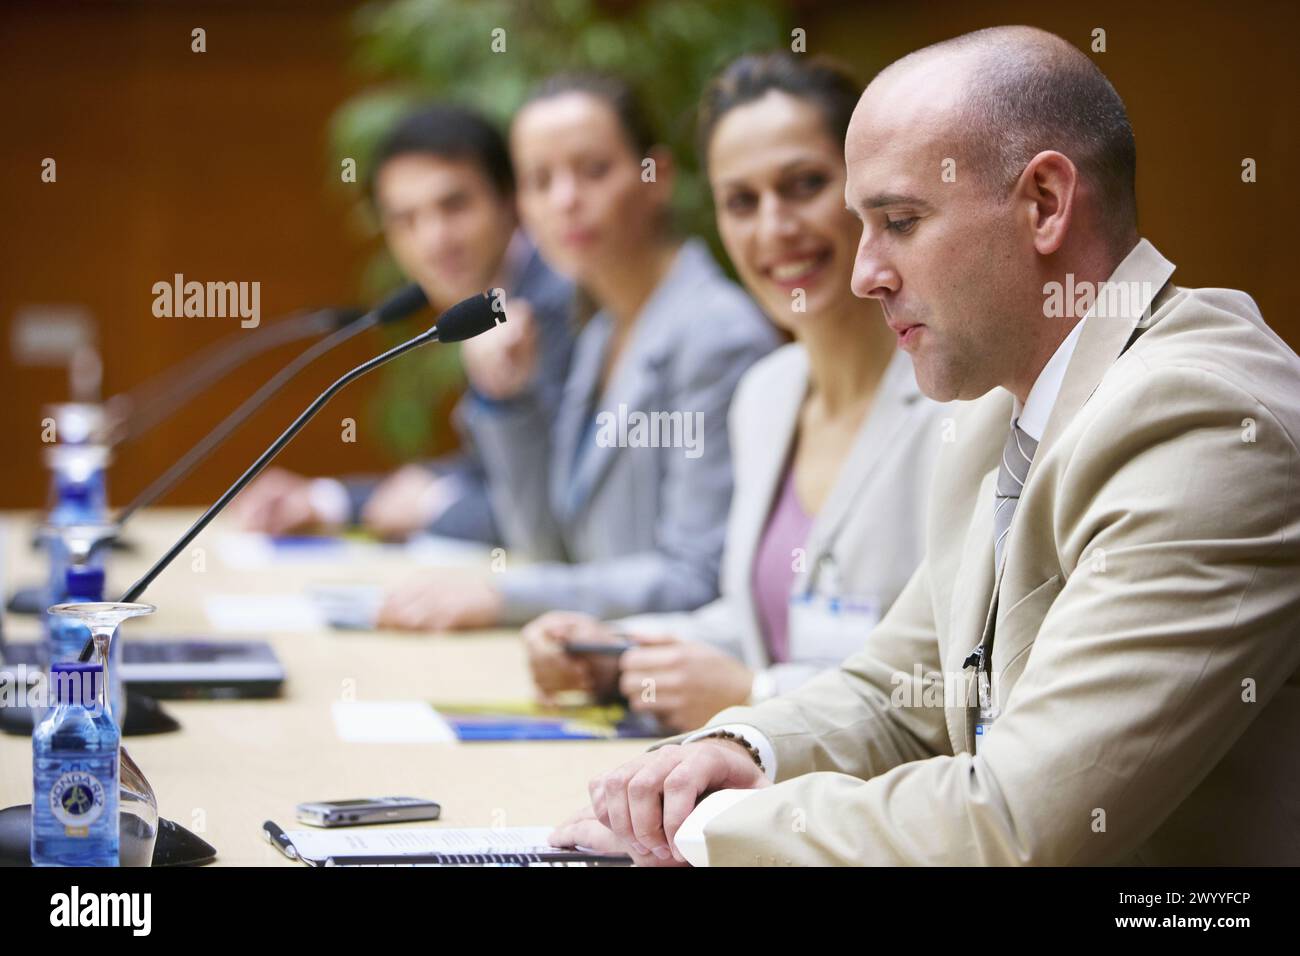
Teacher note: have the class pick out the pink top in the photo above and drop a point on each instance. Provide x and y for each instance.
(773, 575)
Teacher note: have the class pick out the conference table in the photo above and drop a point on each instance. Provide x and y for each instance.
(236, 763)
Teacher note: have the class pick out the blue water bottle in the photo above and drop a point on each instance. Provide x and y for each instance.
(75, 761)
(80, 497)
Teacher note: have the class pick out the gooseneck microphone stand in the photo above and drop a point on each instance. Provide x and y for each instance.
(154, 401)
(406, 301)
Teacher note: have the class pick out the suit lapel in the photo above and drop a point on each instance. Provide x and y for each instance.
(636, 379)
(765, 468)
(761, 472)
(632, 389)
(1104, 337)
(574, 412)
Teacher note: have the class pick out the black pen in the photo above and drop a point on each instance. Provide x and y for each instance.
(280, 840)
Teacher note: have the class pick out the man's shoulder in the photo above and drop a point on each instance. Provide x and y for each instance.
(1217, 336)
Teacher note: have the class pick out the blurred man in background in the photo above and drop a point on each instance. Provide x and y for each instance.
(444, 190)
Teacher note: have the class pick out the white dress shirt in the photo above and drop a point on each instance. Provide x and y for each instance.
(1032, 418)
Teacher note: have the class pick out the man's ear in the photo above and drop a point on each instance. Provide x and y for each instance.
(1048, 191)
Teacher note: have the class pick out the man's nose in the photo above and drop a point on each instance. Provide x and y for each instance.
(564, 192)
(874, 275)
(431, 232)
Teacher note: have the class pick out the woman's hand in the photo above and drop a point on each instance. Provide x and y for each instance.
(683, 683)
(555, 669)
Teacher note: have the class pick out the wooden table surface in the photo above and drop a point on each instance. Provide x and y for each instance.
(235, 764)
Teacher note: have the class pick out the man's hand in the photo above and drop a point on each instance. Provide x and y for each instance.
(501, 364)
(683, 683)
(554, 669)
(645, 801)
(278, 502)
(584, 830)
(443, 601)
(405, 502)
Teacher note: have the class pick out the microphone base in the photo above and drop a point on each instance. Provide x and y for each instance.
(144, 716)
(175, 845)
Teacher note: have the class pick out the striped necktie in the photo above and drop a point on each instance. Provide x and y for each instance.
(1016, 457)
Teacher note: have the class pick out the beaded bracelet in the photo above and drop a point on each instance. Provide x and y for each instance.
(728, 735)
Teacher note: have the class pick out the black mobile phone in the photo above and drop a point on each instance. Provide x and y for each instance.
(597, 648)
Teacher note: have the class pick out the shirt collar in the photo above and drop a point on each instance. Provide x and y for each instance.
(1032, 416)
(1143, 272)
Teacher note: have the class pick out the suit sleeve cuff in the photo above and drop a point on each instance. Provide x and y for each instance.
(690, 835)
(500, 406)
(752, 735)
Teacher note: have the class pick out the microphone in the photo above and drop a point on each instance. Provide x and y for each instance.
(134, 412)
(399, 305)
(406, 301)
(469, 317)
(466, 319)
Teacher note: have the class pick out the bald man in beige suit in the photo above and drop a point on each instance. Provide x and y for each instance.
(1098, 660)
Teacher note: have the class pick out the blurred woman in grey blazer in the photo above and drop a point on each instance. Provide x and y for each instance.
(833, 442)
(621, 499)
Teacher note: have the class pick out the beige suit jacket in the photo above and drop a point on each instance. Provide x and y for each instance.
(1146, 638)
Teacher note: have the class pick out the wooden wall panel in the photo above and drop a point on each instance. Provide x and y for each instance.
(215, 165)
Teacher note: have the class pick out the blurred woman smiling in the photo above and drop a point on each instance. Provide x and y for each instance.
(832, 440)
(616, 526)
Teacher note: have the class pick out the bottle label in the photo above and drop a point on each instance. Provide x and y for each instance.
(77, 799)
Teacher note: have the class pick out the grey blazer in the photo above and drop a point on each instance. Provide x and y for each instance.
(864, 543)
(617, 527)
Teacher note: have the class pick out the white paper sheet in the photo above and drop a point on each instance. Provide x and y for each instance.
(390, 722)
(348, 606)
(263, 613)
(435, 551)
(245, 551)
